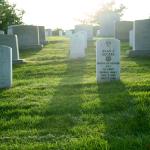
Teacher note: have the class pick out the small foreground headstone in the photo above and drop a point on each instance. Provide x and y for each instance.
(5, 66)
(107, 60)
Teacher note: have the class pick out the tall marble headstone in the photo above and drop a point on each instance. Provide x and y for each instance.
(77, 47)
(122, 29)
(5, 66)
(131, 38)
(86, 28)
(2, 32)
(141, 38)
(107, 60)
(28, 36)
(11, 41)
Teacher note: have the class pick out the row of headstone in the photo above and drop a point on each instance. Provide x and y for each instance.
(29, 36)
(119, 29)
(18, 37)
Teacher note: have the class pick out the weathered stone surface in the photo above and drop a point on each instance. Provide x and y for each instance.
(141, 38)
(11, 41)
(77, 47)
(86, 28)
(28, 36)
(122, 29)
(107, 60)
(5, 66)
(42, 35)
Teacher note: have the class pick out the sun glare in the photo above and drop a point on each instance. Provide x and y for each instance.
(66, 13)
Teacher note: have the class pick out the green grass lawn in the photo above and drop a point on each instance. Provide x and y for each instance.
(55, 103)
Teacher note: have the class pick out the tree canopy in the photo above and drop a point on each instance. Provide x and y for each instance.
(9, 15)
(108, 8)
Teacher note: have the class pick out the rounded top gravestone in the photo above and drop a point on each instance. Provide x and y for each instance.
(107, 60)
(77, 48)
(85, 37)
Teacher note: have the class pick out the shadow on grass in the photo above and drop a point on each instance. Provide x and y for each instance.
(126, 119)
(61, 111)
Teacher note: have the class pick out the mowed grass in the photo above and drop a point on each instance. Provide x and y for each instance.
(55, 103)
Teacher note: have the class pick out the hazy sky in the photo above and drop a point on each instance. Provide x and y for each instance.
(64, 13)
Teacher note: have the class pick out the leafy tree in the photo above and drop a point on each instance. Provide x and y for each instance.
(108, 8)
(9, 15)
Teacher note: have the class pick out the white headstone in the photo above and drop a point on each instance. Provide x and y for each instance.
(2, 32)
(77, 47)
(107, 60)
(85, 37)
(131, 38)
(5, 66)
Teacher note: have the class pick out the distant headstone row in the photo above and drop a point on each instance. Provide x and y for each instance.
(29, 36)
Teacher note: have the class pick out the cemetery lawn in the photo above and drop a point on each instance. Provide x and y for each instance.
(55, 103)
